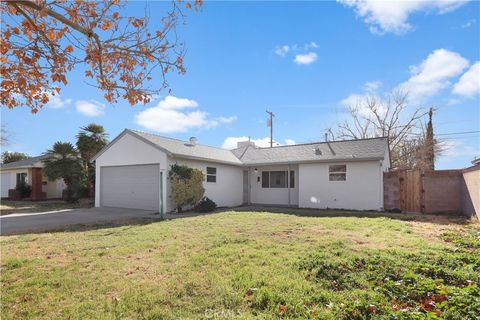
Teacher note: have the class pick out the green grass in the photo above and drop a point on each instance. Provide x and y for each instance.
(10, 207)
(248, 265)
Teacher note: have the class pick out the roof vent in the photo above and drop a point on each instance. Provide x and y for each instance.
(193, 141)
(318, 151)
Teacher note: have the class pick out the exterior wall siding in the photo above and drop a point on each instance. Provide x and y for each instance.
(272, 196)
(226, 192)
(11, 176)
(362, 190)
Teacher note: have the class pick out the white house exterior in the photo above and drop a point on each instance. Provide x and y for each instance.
(29, 171)
(132, 172)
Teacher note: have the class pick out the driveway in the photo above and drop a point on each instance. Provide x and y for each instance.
(44, 221)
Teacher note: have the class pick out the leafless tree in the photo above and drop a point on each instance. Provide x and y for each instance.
(4, 136)
(372, 117)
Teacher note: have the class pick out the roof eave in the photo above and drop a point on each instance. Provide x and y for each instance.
(182, 156)
(314, 161)
(18, 167)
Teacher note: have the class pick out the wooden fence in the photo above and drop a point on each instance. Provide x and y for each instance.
(424, 192)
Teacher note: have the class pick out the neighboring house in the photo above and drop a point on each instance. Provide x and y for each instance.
(132, 172)
(29, 171)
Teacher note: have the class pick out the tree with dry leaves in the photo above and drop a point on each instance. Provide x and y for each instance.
(42, 41)
(372, 117)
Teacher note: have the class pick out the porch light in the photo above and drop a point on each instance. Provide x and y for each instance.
(256, 170)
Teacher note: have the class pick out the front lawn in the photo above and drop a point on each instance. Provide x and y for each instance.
(247, 265)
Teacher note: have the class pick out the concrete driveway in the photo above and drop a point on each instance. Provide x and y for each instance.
(44, 221)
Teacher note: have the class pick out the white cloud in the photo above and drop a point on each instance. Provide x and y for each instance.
(226, 119)
(359, 101)
(305, 59)
(56, 102)
(231, 142)
(372, 86)
(303, 53)
(392, 16)
(469, 23)
(455, 148)
(171, 102)
(433, 74)
(469, 83)
(167, 116)
(311, 45)
(289, 142)
(282, 50)
(90, 108)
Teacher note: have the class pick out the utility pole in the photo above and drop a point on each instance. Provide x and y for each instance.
(270, 124)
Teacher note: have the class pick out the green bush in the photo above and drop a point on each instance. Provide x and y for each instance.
(205, 205)
(75, 191)
(23, 190)
(187, 186)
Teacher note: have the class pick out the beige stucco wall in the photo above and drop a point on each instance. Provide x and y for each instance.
(53, 189)
(362, 190)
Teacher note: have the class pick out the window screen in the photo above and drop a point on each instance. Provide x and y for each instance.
(278, 179)
(337, 172)
(211, 174)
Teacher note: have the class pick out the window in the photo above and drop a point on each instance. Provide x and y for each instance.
(211, 174)
(265, 179)
(338, 172)
(21, 178)
(277, 179)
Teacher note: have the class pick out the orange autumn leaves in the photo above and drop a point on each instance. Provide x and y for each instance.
(43, 41)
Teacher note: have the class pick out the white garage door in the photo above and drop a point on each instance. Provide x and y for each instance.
(136, 187)
(5, 184)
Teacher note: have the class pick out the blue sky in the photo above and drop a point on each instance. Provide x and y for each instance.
(303, 61)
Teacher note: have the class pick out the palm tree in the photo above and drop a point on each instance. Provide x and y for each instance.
(90, 140)
(63, 161)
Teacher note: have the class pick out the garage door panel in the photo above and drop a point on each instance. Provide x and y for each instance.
(5, 183)
(135, 187)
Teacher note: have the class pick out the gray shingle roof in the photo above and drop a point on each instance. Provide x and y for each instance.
(185, 149)
(30, 162)
(347, 150)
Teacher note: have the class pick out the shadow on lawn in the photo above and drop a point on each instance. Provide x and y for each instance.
(441, 218)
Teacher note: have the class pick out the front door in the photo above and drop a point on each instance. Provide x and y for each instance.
(246, 198)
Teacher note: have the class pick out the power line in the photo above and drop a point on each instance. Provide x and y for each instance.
(449, 133)
(456, 133)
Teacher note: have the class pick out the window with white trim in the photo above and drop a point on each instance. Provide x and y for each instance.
(337, 172)
(211, 174)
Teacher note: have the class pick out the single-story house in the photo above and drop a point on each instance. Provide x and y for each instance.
(29, 171)
(132, 172)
